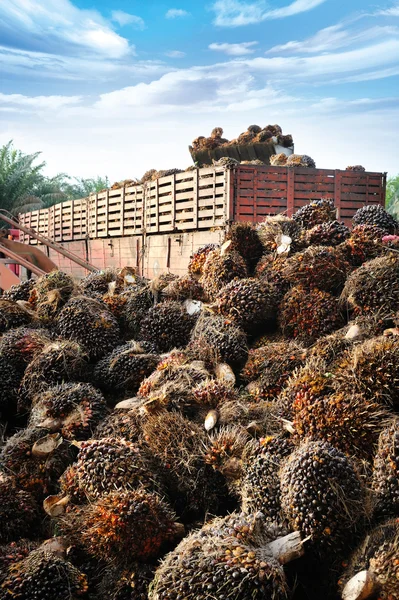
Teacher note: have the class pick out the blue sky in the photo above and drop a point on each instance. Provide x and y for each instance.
(120, 86)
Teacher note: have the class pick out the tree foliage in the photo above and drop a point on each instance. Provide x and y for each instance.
(392, 200)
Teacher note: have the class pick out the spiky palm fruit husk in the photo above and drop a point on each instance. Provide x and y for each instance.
(364, 243)
(120, 424)
(328, 234)
(219, 269)
(271, 268)
(35, 472)
(377, 554)
(374, 287)
(374, 214)
(148, 175)
(72, 409)
(271, 230)
(316, 212)
(317, 267)
(358, 168)
(269, 367)
(19, 292)
(307, 315)
(126, 367)
(257, 418)
(245, 240)
(372, 369)
(178, 443)
(221, 565)
(224, 453)
(226, 161)
(300, 160)
(116, 304)
(249, 303)
(348, 421)
(167, 325)
(197, 260)
(109, 464)
(385, 478)
(321, 495)
(123, 526)
(19, 512)
(21, 345)
(42, 575)
(50, 293)
(184, 288)
(9, 383)
(216, 340)
(260, 490)
(277, 160)
(88, 322)
(14, 552)
(330, 348)
(126, 584)
(212, 393)
(58, 362)
(137, 307)
(96, 284)
(12, 315)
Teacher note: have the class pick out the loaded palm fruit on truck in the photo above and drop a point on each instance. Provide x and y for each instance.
(229, 433)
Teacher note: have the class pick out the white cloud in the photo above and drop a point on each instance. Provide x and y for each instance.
(37, 102)
(393, 11)
(175, 54)
(124, 18)
(176, 13)
(234, 13)
(58, 27)
(234, 49)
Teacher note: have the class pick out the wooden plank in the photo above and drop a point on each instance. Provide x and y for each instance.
(337, 192)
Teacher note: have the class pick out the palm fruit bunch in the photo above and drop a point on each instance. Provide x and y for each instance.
(12, 315)
(126, 367)
(269, 367)
(332, 233)
(72, 409)
(307, 315)
(278, 160)
(373, 571)
(272, 268)
(372, 369)
(385, 478)
(21, 291)
(184, 288)
(249, 303)
(357, 168)
(14, 552)
(315, 213)
(317, 267)
(116, 304)
(213, 393)
(137, 305)
(36, 460)
(96, 284)
(50, 293)
(131, 583)
(219, 269)
(216, 340)
(348, 421)
(58, 362)
(88, 322)
(120, 424)
(274, 232)
(260, 490)
(300, 160)
(9, 384)
(110, 464)
(375, 214)
(197, 260)
(329, 349)
(123, 526)
(321, 495)
(167, 325)
(245, 240)
(224, 453)
(177, 442)
(374, 287)
(22, 344)
(222, 563)
(43, 575)
(364, 243)
(19, 512)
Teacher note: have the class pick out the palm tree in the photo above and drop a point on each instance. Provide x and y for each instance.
(392, 202)
(81, 188)
(18, 175)
(47, 192)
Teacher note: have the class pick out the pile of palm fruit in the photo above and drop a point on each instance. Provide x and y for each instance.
(229, 434)
(271, 134)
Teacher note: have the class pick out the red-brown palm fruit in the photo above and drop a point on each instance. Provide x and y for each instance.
(328, 234)
(73, 409)
(197, 260)
(131, 583)
(19, 512)
(9, 383)
(213, 393)
(275, 231)
(167, 325)
(317, 211)
(221, 268)
(184, 288)
(123, 526)
(307, 315)
(21, 345)
(245, 240)
(364, 243)
(14, 552)
(124, 424)
(21, 291)
(385, 478)
(375, 214)
(50, 293)
(12, 315)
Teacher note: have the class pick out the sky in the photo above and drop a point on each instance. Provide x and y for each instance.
(117, 87)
